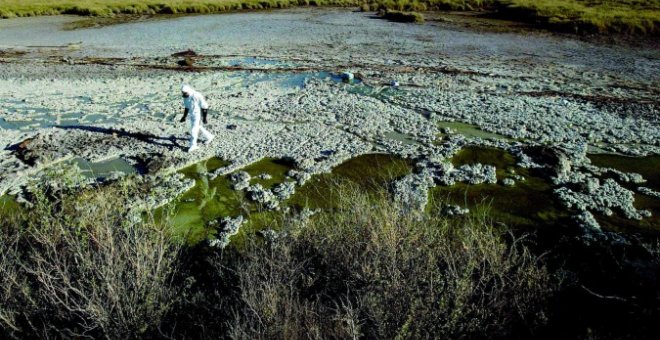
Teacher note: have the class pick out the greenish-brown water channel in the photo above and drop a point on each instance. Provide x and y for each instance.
(529, 203)
(194, 214)
(368, 173)
(649, 168)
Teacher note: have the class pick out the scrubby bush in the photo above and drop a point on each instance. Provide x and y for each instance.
(369, 269)
(75, 265)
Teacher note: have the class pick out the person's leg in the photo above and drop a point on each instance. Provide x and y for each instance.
(206, 134)
(194, 133)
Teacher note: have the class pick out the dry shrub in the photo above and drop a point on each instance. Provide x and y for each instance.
(79, 265)
(370, 269)
(76, 266)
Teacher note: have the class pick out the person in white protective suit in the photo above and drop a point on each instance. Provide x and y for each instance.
(195, 105)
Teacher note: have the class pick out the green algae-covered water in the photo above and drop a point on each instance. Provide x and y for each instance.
(206, 201)
(531, 203)
(372, 172)
(195, 213)
(649, 168)
(528, 204)
(276, 169)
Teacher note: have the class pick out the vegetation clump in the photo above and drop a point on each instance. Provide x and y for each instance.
(79, 265)
(369, 269)
(399, 16)
(585, 16)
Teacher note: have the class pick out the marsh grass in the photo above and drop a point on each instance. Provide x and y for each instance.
(399, 16)
(10, 8)
(585, 16)
(581, 16)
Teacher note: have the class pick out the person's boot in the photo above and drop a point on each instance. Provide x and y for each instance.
(208, 141)
(193, 148)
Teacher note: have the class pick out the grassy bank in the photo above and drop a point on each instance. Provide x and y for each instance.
(399, 16)
(624, 16)
(9, 8)
(579, 16)
(582, 16)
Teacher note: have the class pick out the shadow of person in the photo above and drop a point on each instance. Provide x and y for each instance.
(169, 142)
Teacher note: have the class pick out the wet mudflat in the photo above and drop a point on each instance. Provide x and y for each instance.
(334, 100)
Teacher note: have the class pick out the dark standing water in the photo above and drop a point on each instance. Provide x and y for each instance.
(649, 168)
(194, 213)
(103, 168)
(527, 204)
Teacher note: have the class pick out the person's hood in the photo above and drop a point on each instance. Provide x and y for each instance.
(187, 89)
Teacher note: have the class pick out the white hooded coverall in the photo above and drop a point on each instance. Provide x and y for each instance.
(195, 102)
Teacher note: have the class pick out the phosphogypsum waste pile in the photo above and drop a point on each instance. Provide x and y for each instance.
(431, 113)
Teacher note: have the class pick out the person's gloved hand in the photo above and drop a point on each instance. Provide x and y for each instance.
(205, 113)
(185, 115)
